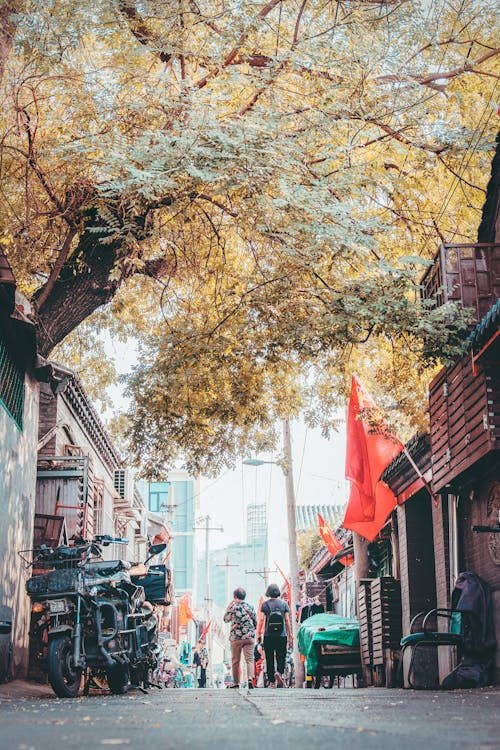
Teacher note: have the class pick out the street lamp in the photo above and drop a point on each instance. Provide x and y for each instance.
(292, 542)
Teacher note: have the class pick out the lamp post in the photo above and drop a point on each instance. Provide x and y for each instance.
(292, 542)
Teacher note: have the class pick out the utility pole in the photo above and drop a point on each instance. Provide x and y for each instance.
(227, 565)
(205, 524)
(292, 550)
(264, 573)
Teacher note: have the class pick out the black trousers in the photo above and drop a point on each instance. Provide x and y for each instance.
(202, 679)
(275, 645)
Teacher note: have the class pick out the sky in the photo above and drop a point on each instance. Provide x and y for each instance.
(318, 468)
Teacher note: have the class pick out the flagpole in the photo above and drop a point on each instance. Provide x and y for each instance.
(421, 476)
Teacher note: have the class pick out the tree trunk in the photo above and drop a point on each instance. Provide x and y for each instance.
(84, 284)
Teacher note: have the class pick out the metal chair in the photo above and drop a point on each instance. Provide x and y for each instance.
(424, 634)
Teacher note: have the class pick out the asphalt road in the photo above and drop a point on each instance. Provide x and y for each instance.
(355, 719)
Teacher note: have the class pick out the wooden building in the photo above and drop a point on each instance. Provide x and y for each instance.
(450, 522)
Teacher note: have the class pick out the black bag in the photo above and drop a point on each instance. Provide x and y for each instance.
(156, 584)
(275, 621)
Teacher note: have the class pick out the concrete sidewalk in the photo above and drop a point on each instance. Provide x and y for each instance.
(19, 689)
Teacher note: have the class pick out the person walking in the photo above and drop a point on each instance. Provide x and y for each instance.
(243, 620)
(277, 628)
(258, 658)
(200, 662)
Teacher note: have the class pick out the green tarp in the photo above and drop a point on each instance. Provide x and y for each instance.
(333, 629)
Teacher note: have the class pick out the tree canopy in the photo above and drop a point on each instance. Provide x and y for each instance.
(251, 188)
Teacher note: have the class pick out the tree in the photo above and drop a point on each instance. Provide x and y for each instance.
(258, 173)
(308, 544)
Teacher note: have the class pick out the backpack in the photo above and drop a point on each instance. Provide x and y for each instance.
(275, 622)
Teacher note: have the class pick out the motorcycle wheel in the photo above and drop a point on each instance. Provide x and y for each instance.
(64, 678)
(118, 678)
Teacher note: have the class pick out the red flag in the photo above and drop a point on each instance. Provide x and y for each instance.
(370, 449)
(287, 582)
(185, 613)
(205, 631)
(332, 543)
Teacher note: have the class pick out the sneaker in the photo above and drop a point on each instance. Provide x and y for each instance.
(279, 680)
(250, 685)
(232, 687)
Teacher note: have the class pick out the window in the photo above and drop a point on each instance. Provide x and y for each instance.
(11, 386)
(158, 501)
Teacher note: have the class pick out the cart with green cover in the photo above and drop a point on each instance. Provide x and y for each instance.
(330, 644)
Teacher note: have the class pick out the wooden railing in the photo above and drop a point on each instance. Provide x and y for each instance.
(469, 273)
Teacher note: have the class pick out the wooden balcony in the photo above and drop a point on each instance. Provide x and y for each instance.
(464, 420)
(467, 273)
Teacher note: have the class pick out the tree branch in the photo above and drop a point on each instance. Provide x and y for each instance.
(57, 267)
(234, 52)
(139, 29)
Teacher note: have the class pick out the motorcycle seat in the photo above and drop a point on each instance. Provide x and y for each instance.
(106, 567)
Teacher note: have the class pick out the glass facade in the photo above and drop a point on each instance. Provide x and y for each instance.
(175, 500)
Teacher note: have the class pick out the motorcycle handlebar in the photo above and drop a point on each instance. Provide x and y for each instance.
(106, 539)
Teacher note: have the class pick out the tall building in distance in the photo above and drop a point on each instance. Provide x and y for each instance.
(238, 564)
(176, 502)
(256, 523)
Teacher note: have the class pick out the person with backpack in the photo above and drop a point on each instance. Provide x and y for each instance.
(277, 628)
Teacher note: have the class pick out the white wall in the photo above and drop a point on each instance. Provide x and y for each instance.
(18, 450)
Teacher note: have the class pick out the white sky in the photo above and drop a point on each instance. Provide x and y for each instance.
(318, 467)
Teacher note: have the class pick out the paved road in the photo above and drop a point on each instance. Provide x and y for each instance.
(363, 719)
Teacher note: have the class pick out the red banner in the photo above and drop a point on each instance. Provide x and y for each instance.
(370, 449)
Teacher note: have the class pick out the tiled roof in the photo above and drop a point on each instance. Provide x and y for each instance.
(485, 328)
(307, 515)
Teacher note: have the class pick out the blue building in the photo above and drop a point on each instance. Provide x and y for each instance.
(175, 501)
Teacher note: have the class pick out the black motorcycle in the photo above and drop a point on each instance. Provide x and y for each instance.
(92, 615)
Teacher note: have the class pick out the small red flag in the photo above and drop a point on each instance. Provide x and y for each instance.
(185, 613)
(287, 583)
(370, 449)
(332, 543)
(205, 631)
